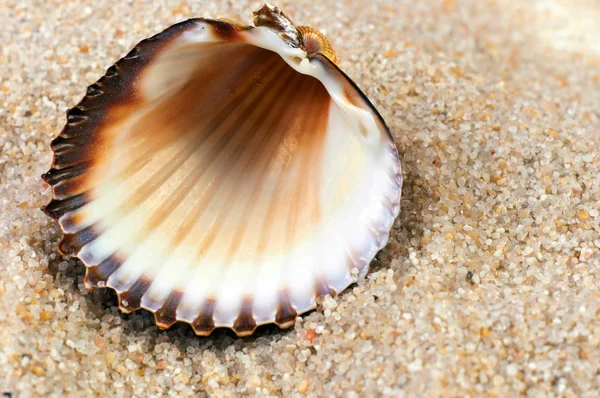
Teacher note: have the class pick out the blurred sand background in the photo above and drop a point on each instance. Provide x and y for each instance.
(495, 107)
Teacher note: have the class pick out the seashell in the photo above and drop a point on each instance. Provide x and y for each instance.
(225, 175)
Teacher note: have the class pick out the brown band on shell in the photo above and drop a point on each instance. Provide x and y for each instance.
(245, 323)
(286, 314)
(322, 289)
(72, 150)
(67, 173)
(72, 186)
(225, 30)
(76, 146)
(130, 300)
(98, 275)
(166, 315)
(276, 104)
(70, 244)
(316, 107)
(269, 148)
(57, 208)
(196, 210)
(204, 324)
(274, 203)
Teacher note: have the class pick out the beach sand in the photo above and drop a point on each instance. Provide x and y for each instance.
(490, 283)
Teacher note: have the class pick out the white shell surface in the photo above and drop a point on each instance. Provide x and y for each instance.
(239, 180)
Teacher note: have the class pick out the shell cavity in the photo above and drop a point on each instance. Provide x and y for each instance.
(223, 176)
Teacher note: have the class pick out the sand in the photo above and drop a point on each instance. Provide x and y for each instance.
(489, 285)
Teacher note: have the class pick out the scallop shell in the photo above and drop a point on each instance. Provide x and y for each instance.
(225, 175)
